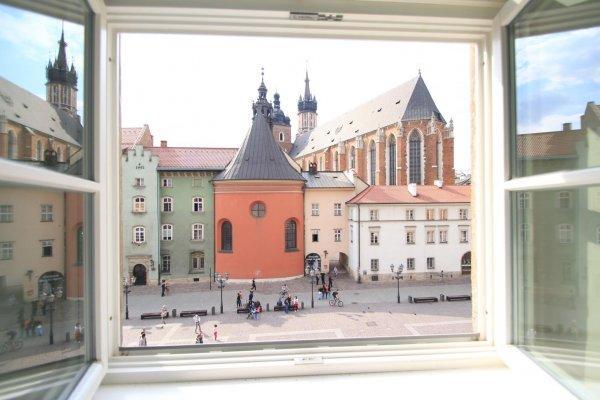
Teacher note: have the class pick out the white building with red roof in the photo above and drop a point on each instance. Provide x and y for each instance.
(425, 229)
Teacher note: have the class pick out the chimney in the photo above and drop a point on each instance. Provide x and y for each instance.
(312, 168)
(163, 143)
(412, 189)
(567, 126)
(438, 183)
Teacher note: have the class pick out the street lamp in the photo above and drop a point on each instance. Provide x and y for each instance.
(222, 279)
(310, 271)
(126, 290)
(50, 301)
(397, 276)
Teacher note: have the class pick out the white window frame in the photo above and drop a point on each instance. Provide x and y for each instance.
(141, 230)
(7, 213)
(410, 214)
(6, 251)
(166, 232)
(46, 213)
(430, 214)
(337, 209)
(374, 214)
(490, 196)
(443, 236)
(164, 201)
(166, 182)
(374, 238)
(337, 235)
(139, 204)
(430, 263)
(410, 264)
(194, 230)
(430, 236)
(410, 236)
(314, 209)
(463, 214)
(165, 259)
(198, 201)
(564, 195)
(47, 243)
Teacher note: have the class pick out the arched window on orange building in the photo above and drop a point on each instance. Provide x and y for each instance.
(226, 236)
(290, 235)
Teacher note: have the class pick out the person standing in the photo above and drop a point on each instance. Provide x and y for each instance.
(335, 270)
(215, 332)
(250, 297)
(143, 342)
(199, 339)
(197, 326)
(163, 288)
(238, 300)
(253, 284)
(317, 279)
(330, 280)
(163, 313)
(323, 277)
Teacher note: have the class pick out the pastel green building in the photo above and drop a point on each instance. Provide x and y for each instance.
(167, 208)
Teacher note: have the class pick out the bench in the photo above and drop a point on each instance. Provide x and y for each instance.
(424, 299)
(464, 297)
(243, 310)
(152, 315)
(191, 313)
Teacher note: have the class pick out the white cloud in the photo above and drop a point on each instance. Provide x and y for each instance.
(550, 123)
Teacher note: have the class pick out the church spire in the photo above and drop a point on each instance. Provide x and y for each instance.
(61, 81)
(307, 109)
(262, 105)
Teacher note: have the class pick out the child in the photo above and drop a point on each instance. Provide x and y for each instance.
(199, 339)
(215, 332)
(143, 342)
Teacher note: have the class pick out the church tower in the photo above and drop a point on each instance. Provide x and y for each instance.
(282, 129)
(262, 105)
(307, 109)
(61, 84)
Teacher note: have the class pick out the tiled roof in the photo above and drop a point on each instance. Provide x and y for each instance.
(25, 108)
(192, 158)
(260, 157)
(327, 179)
(545, 145)
(425, 195)
(409, 101)
(130, 137)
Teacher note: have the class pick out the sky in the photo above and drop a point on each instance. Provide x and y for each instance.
(557, 74)
(31, 40)
(197, 90)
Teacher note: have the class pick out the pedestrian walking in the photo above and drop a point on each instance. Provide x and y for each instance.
(197, 326)
(330, 280)
(325, 290)
(215, 332)
(238, 300)
(163, 313)
(167, 288)
(323, 277)
(163, 288)
(253, 284)
(143, 342)
(250, 297)
(335, 270)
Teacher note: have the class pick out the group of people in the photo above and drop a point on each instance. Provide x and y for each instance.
(286, 301)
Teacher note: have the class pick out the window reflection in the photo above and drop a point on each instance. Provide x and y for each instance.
(41, 278)
(558, 276)
(41, 90)
(556, 86)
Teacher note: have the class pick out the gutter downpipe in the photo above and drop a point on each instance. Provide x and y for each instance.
(358, 269)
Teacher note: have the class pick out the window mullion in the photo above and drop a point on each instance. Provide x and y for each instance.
(560, 179)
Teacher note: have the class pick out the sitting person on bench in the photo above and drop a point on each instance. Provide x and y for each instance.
(295, 304)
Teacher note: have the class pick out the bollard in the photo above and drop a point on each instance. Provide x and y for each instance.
(442, 297)
(174, 313)
(268, 307)
(68, 337)
(212, 310)
(302, 305)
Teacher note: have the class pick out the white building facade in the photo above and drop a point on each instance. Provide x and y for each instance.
(426, 229)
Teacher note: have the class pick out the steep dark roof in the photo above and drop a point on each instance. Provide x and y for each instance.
(408, 101)
(259, 157)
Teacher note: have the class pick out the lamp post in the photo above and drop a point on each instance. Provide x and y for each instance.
(126, 290)
(397, 276)
(50, 301)
(222, 279)
(310, 271)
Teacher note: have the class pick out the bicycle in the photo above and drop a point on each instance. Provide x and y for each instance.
(11, 345)
(337, 301)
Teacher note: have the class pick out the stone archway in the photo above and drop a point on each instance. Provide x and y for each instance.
(313, 260)
(51, 282)
(139, 274)
(465, 264)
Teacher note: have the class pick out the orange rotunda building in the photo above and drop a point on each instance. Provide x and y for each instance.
(259, 210)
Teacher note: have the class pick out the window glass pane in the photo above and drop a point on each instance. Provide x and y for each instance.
(43, 87)
(555, 46)
(43, 266)
(557, 253)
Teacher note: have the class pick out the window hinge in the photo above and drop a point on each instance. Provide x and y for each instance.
(308, 16)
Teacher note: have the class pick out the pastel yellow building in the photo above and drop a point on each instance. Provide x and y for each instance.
(326, 218)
